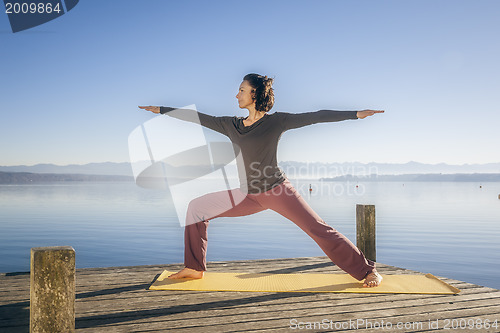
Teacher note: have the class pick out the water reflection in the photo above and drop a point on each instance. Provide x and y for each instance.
(426, 226)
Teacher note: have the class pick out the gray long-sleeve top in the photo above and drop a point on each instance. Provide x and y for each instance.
(259, 141)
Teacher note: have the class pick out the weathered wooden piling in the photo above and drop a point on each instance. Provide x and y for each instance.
(365, 230)
(52, 289)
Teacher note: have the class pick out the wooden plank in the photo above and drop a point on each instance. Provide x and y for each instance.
(116, 300)
(214, 314)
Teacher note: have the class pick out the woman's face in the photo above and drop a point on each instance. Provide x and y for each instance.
(245, 95)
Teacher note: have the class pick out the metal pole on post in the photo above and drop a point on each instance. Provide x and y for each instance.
(365, 230)
(52, 289)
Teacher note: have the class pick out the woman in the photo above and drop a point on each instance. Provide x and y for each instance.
(264, 185)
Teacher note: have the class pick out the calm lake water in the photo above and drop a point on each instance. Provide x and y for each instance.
(444, 228)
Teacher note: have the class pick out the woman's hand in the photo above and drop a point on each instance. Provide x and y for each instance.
(154, 109)
(367, 113)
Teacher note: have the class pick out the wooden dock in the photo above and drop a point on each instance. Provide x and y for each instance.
(116, 299)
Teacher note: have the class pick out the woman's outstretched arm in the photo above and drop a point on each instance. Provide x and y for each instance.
(296, 120)
(217, 124)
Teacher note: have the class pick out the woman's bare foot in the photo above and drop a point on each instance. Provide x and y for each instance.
(373, 279)
(187, 273)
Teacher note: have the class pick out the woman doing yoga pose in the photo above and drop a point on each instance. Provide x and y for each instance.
(263, 184)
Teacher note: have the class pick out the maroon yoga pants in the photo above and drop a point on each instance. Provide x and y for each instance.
(283, 199)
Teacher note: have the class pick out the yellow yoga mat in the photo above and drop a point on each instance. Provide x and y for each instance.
(305, 282)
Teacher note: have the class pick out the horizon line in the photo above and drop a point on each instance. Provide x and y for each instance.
(287, 161)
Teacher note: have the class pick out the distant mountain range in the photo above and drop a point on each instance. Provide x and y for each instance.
(433, 177)
(106, 168)
(328, 170)
(411, 171)
(30, 178)
(291, 168)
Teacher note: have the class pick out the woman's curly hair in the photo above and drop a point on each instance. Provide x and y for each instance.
(263, 91)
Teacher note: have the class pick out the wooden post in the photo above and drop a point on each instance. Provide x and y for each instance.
(52, 289)
(365, 230)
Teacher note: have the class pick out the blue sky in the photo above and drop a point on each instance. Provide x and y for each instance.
(70, 87)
